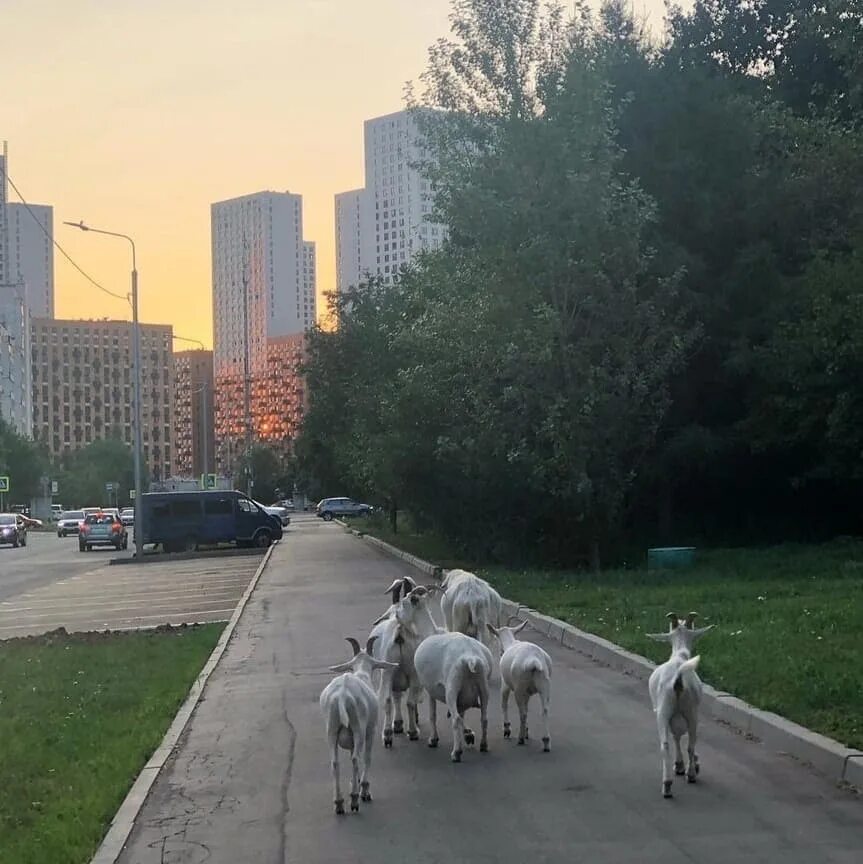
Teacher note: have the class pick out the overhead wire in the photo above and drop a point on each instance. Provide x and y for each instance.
(62, 251)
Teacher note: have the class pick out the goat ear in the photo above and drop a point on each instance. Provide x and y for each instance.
(384, 664)
(343, 667)
(659, 637)
(382, 618)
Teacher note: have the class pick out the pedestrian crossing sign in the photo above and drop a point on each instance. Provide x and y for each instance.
(4, 484)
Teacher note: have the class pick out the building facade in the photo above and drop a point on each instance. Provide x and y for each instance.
(30, 231)
(83, 387)
(194, 437)
(15, 364)
(381, 227)
(264, 286)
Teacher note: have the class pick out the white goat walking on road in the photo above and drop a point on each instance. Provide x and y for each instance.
(398, 632)
(455, 669)
(350, 709)
(525, 670)
(675, 693)
(469, 604)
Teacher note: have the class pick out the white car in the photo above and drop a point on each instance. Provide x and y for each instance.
(127, 516)
(280, 512)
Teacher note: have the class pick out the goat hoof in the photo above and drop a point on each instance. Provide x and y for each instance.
(433, 742)
(365, 795)
(414, 736)
(340, 807)
(546, 745)
(697, 768)
(521, 741)
(666, 789)
(388, 743)
(355, 803)
(399, 727)
(690, 778)
(483, 747)
(456, 756)
(679, 769)
(506, 730)
(469, 738)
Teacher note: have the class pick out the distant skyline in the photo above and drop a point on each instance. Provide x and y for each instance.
(136, 117)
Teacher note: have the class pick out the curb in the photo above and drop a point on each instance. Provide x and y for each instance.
(839, 763)
(124, 819)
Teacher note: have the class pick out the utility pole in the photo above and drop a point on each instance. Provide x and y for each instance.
(247, 407)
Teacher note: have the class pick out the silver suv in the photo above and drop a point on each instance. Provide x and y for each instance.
(329, 508)
(69, 522)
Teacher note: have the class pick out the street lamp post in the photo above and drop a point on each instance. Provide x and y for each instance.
(136, 350)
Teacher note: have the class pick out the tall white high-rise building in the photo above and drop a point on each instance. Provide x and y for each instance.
(381, 227)
(30, 230)
(264, 285)
(16, 367)
(4, 217)
(310, 284)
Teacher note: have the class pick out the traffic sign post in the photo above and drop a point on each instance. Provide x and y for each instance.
(55, 488)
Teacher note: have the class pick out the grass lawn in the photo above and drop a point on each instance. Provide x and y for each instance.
(789, 620)
(79, 717)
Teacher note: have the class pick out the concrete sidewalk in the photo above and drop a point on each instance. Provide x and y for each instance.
(250, 780)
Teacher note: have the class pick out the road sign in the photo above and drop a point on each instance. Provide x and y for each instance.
(4, 484)
(55, 488)
(208, 481)
(132, 494)
(109, 487)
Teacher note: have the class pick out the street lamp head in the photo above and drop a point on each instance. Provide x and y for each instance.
(80, 225)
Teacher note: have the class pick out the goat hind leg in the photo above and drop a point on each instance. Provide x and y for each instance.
(679, 767)
(433, 739)
(665, 753)
(692, 770)
(504, 707)
(337, 791)
(356, 755)
(398, 723)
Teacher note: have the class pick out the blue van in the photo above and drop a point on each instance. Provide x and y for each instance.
(180, 521)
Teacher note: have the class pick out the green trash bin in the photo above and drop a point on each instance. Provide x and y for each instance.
(670, 557)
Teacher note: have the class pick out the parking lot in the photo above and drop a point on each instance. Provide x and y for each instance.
(122, 597)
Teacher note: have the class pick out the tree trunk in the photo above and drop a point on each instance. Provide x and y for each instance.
(594, 555)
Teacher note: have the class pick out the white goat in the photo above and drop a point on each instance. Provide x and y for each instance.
(525, 669)
(350, 709)
(675, 693)
(455, 669)
(469, 604)
(398, 635)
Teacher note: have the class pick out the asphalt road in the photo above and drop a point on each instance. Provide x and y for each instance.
(44, 560)
(250, 780)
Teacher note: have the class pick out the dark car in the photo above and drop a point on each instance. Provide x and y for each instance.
(182, 521)
(13, 530)
(69, 522)
(102, 529)
(329, 508)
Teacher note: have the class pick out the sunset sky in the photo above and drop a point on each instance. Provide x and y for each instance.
(135, 116)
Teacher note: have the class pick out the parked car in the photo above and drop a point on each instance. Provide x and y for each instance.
(102, 529)
(57, 511)
(127, 516)
(329, 508)
(281, 513)
(69, 522)
(13, 530)
(183, 520)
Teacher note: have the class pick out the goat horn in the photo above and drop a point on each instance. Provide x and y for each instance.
(369, 644)
(511, 618)
(354, 644)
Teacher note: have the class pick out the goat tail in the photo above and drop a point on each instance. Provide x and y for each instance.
(473, 664)
(344, 720)
(687, 666)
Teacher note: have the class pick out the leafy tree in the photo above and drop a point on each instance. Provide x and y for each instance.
(23, 461)
(269, 471)
(107, 460)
